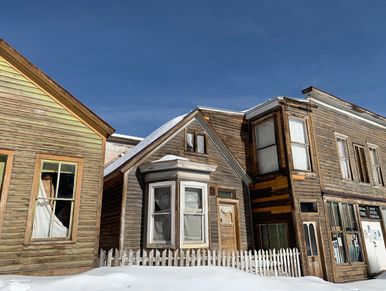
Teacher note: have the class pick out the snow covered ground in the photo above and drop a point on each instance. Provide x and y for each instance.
(137, 278)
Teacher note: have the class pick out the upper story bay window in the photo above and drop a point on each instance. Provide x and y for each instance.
(266, 148)
(299, 144)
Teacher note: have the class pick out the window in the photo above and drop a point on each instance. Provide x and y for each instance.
(273, 236)
(55, 199)
(226, 193)
(194, 213)
(344, 233)
(266, 149)
(375, 166)
(310, 238)
(299, 144)
(195, 142)
(6, 158)
(161, 213)
(360, 159)
(308, 207)
(344, 159)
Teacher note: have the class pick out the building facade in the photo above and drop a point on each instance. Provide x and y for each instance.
(51, 163)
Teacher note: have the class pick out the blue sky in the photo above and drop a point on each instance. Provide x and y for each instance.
(139, 63)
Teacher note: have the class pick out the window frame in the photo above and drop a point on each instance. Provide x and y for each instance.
(361, 163)
(378, 167)
(344, 232)
(340, 159)
(150, 212)
(40, 158)
(306, 144)
(6, 182)
(276, 224)
(256, 150)
(205, 227)
(195, 147)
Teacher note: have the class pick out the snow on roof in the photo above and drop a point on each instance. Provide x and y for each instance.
(143, 144)
(220, 110)
(118, 135)
(170, 158)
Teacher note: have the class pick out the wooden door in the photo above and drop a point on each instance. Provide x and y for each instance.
(312, 248)
(228, 225)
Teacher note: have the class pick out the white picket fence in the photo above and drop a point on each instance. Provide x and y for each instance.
(284, 262)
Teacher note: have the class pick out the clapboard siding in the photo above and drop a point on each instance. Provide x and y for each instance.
(224, 176)
(32, 122)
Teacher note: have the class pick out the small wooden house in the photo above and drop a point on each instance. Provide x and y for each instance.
(52, 151)
(180, 187)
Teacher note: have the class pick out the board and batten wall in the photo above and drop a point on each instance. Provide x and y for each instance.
(32, 123)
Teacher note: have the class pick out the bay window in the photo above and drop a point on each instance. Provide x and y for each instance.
(194, 213)
(266, 148)
(161, 213)
(299, 144)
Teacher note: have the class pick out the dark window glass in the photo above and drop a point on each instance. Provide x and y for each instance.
(308, 207)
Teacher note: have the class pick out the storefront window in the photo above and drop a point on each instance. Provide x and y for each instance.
(344, 233)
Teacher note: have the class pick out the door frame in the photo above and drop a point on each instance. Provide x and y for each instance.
(236, 205)
(319, 243)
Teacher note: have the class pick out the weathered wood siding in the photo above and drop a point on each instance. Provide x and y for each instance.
(270, 193)
(31, 123)
(224, 177)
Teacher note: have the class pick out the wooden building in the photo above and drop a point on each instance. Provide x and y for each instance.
(52, 151)
(319, 183)
(119, 144)
(180, 187)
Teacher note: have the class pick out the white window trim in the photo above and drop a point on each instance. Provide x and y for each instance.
(150, 220)
(204, 187)
(345, 138)
(306, 145)
(375, 147)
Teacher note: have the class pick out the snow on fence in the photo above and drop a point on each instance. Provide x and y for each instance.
(284, 262)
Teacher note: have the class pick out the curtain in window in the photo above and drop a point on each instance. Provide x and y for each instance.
(190, 142)
(299, 144)
(200, 143)
(266, 147)
(265, 134)
(297, 131)
(343, 158)
(162, 214)
(46, 224)
(300, 157)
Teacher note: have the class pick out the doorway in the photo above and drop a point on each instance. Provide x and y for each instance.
(228, 223)
(310, 232)
(375, 246)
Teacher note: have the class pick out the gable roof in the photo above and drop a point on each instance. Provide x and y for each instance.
(54, 89)
(161, 134)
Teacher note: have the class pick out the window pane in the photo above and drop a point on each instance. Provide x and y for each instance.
(193, 199)
(200, 143)
(307, 238)
(313, 240)
(67, 181)
(3, 164)
(268, 160)
(49, 178)
(265, 134)
(338, 248)
(162, 227)
(308, 207)
(264, 236)
(193, 227)
(342, 147)
(162, 200)
(190, 142)
(349, 217)
(345, 168)
(63, 212)
(283, 240)
(297, 131)
(354, 248)
(222, 193)
(273, 236)
(300, 157)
